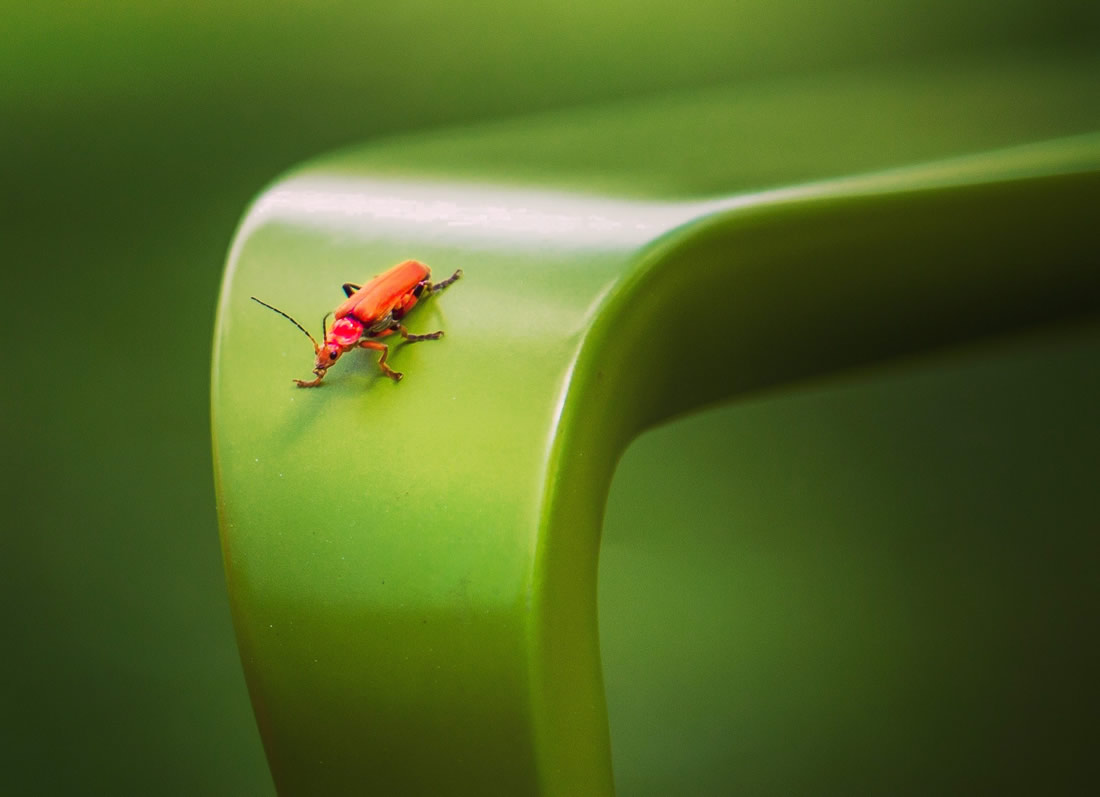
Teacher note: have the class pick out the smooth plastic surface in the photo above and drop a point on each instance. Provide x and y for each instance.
(412, 567)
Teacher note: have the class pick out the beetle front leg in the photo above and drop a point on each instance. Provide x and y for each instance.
(311, 382)
(382, 347)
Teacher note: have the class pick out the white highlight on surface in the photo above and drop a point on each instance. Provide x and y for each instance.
(506, 216)
(497, 215)
(490, 215)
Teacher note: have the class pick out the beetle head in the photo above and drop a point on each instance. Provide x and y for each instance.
(327, 354)
(343, 336)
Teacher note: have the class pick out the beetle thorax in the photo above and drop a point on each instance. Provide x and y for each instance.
(345, 332)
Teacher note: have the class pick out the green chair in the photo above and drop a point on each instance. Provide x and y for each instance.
(413, 567)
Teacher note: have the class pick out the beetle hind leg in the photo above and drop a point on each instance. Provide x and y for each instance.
(440, 286)
(411, 338)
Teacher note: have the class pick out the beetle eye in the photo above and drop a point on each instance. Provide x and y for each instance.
(332, 355)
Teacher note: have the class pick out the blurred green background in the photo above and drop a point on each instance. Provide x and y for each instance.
(133, 136)
(891, 589)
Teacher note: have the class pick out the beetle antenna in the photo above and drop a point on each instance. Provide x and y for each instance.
(324, 328)
(284, 315)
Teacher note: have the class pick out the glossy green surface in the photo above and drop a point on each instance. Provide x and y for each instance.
(412, 567)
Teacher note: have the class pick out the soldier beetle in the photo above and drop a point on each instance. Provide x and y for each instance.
(372, 311)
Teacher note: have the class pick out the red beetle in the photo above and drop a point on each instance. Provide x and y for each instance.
(372, 311)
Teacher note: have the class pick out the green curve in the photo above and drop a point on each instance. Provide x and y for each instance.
(412, 567)
(905, 276)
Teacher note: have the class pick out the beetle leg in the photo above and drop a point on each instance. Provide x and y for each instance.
(350, 288)
(310, 383)
(382, 347)
(416, 338)
(439, 286)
